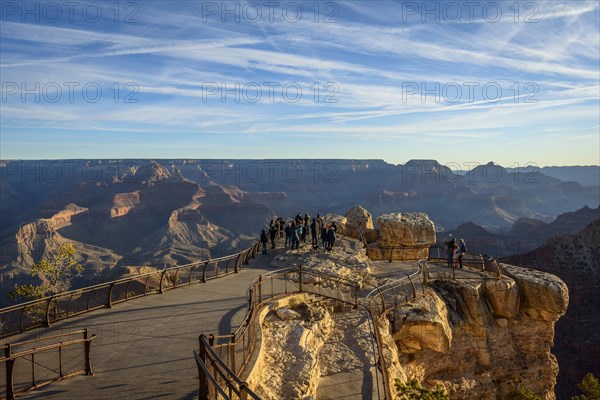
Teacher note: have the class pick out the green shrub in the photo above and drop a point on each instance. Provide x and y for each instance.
(412, 390)
(589, 388)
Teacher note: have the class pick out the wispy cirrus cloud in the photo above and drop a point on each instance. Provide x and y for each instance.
(374, 57)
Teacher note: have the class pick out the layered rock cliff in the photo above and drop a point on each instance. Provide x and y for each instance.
(480, 339)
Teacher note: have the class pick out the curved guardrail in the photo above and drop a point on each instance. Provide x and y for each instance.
(221, 364)
(481, 262)
(43, 312)
(385, 298)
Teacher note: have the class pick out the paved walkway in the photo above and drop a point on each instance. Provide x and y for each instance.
(144, 346)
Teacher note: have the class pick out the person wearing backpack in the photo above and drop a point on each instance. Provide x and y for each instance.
(462, 249)
(450, 251)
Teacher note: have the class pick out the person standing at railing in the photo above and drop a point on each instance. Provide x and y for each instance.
(324, 236)
(264, 240)
(273, 235)
(295, 236)
(450, 250)
(288, 234)
(280, 224)
(462, 249)
(313, 233)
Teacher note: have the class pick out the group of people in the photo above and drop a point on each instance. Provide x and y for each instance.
(297, 230)
(455, 251)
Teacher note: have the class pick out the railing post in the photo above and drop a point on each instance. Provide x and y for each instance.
(88, 353)
(60, 360)
(231, 348)
(47, 312)
(259, 289)
(69, 304)
(238, 262)
(244, 391)
(413, 286)
(89, 299)
(202, 378)
(110, 292)
(204, 271)
(160, 286)
(10, 364)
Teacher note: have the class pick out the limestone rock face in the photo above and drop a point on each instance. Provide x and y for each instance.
(503, 296)
(358, 219)
(423, 324)
(409, 229)
(482, 340)
(402, 237)
(286, 314)
(543, 296)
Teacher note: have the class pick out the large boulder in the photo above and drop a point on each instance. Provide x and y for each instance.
(543, 296)
(358, 220)
(422, 323)
(408, 229)
(403, 237)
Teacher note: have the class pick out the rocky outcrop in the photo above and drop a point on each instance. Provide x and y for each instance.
(403, 237)
(123, 203)
(408, 229)
(358, 220)
(482, 339)
(30, 236)
(576, 260)
(293, 334)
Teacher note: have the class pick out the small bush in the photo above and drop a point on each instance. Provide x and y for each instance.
(412, 390)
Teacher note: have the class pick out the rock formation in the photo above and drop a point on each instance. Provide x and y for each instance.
(403, 237)
(359, 220)
(482, 339)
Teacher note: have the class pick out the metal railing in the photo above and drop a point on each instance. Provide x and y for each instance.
(25, 368)
(221, 359)
(387, 298)
(43, 312)
(481, 262)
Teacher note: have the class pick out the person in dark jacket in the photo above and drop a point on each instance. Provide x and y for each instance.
(330, 238)
(273, 235)
(324, 237)
(450, 250)
(313, 232)
(295, 236)
(264, 240)
(462, 249)
(288, 235)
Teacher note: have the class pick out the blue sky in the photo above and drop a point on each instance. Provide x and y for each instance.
(512, 82)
